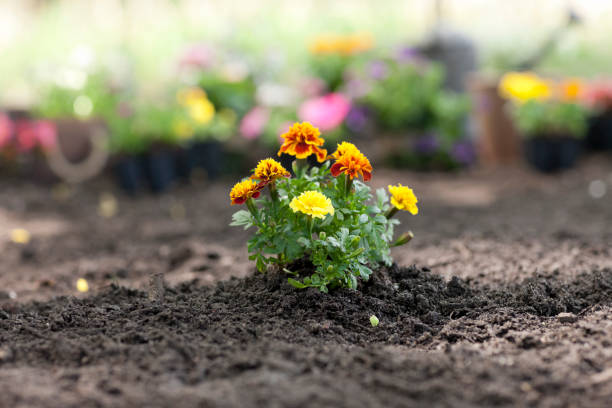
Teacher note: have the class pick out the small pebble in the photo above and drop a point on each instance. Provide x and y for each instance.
(20, 236)
(82, 285)
(567, 317)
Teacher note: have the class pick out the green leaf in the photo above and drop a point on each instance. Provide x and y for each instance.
(242, 217)
(296, 284)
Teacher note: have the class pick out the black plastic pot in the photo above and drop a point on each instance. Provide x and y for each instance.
(550, 154)
(208, 156)
(185, 162)
(599, 134)
(160, 169)
(129, 173)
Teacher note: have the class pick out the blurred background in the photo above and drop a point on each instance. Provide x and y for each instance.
(129, 120)
(133, 85)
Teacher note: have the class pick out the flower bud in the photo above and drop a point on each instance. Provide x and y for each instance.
(323, 235)
(404, 239)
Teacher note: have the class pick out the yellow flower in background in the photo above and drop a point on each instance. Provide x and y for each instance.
(344, 148)
(523, 86)
(268, 170)
(244, 190)
(202, 111)
(341, 44)
(403, 198)
(199, 108)
(189, 96)
(571, 90)
(312, 203)
(302, 140)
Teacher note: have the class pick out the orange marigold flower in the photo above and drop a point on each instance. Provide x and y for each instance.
(244, 190)
(344, 148)
(353, 163)
(268, 170)
(302, 140)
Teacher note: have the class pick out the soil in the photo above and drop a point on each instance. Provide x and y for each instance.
(508, 302)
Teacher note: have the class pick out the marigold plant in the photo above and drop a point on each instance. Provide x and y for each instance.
(323, 217)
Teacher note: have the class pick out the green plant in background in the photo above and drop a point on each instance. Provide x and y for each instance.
(79, 95)
(332, 54)
(551, 118)
(231, 88)
(403, 98)
(324, 216)
(449, 110)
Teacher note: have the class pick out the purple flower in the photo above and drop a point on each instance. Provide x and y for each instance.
(378, 69)
(463, 152)
(357, 118)
(407, 54)
(426, 144)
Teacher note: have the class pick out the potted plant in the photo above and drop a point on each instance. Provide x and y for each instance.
(332, 54)
(549, 117)
(129, 147)
(599, 96)
(205, 128)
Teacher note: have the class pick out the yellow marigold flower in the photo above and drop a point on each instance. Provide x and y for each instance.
(523, 86)
(342, 149)
(312, 203)
(403, 198)
(302, 140)
(244, 190)
(268, 170)
(353, 163)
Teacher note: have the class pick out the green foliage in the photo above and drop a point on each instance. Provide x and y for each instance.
(551, 118)
(343, 248)
(403, 99)
(449, 110)
(237, 95)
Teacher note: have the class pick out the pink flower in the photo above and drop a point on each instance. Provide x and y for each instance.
(26, 135)
(326, 112)
(32, 134)
(46, 134)
(254, 122)
(6, 129)
(198, 56)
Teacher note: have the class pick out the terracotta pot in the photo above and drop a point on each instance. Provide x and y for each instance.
(497, 141)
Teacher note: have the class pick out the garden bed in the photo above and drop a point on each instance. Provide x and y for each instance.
(479, 321)
(256, 341)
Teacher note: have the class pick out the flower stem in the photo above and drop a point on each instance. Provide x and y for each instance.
(251, 206)
(391, 212)
(310, 224)
(348, 184)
